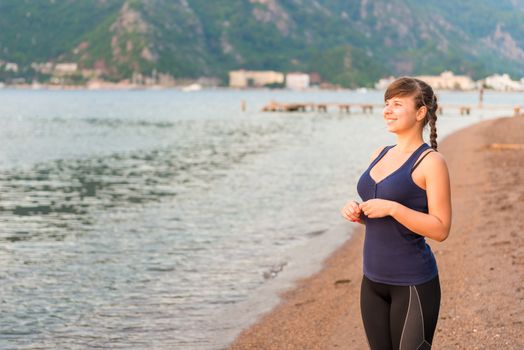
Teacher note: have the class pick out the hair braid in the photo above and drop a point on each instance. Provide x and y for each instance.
(432, 114)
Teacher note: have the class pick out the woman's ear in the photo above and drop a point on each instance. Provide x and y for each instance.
(421, 113)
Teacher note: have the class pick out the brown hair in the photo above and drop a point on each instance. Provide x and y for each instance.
(423, 95)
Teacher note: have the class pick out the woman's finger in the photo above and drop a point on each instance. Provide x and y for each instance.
(349, 214)
(347, 217)
(351, 211)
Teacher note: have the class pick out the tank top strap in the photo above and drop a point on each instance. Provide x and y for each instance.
(413, 158)
(420, 160)
(380, 155)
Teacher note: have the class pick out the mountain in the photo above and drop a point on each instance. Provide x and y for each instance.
(352, 43)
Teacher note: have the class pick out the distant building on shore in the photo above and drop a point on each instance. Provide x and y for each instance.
(11, 67)
(297, 81)
(503, 82)
(449, 81)
(44, 68)
(243, 78)
(66, 68)
(446, 80)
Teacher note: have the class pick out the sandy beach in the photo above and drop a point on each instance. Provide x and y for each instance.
(481, 264)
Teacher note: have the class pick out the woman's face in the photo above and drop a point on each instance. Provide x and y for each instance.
(400, 113)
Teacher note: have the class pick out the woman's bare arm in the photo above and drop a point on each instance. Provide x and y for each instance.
(437, 223)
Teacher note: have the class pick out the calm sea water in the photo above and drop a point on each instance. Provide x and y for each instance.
(170, 220)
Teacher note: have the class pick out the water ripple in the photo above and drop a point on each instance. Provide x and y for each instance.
(66, 194)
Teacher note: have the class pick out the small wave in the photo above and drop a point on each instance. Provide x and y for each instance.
(274, 270)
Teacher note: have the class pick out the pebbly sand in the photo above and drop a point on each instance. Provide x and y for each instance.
(481, 264)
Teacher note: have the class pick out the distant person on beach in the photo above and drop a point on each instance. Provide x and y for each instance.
(406, 197)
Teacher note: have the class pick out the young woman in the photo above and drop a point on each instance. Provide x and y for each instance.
(406, 198)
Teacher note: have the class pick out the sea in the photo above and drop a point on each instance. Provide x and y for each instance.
(163, 219)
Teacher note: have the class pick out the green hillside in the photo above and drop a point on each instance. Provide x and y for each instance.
(352, 43)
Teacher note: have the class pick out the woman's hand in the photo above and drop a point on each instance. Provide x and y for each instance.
(351, 211)
(377, 208)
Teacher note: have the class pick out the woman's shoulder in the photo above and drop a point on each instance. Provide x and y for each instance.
(376, 152)
(432, 160)
(435, 155)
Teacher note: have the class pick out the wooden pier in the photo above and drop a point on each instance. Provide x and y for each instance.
(319, 107)
(367, 108)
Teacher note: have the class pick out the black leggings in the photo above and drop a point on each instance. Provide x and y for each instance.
(400, 317)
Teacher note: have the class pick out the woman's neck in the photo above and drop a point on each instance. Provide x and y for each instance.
(408, 143)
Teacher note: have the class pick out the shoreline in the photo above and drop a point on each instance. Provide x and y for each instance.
(109, 86)
(481, 264)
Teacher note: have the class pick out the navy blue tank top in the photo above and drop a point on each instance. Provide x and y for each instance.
(393, 254)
